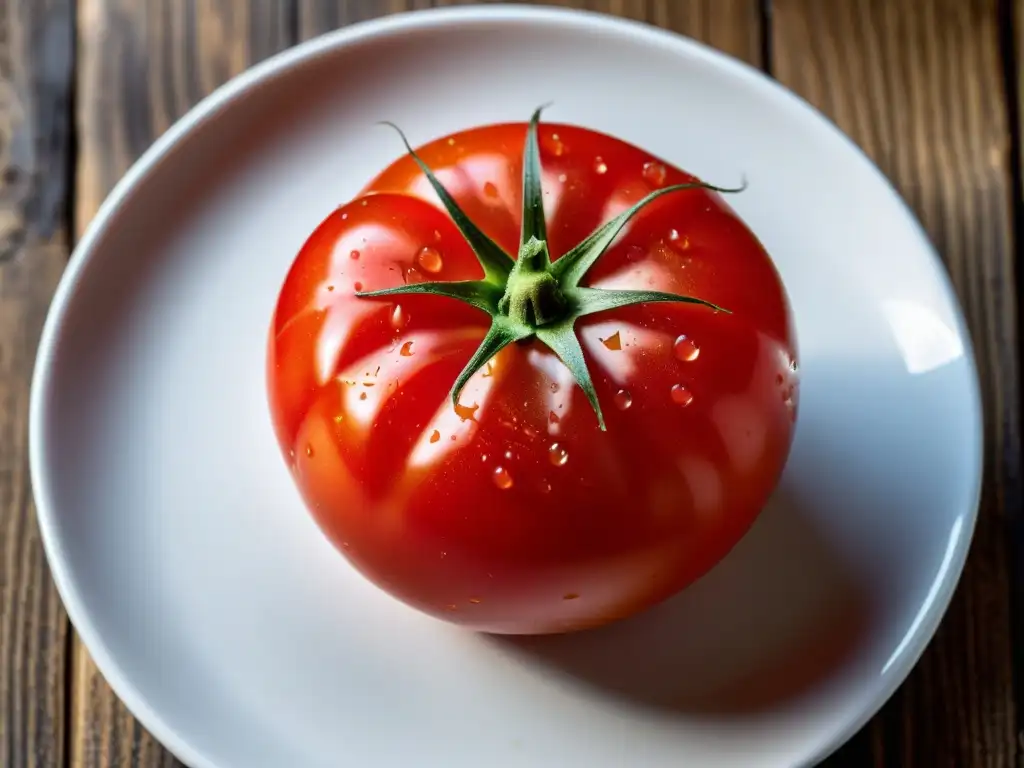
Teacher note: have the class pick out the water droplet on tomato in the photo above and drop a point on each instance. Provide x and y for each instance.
(600, 166)
(502, 478)
(309, 450)
(466, 412)
(406, 350)
(354, 255)
(346, 545)
(362, 395)
(677, 241)
(338, 418)
(681, 395)
(490, 190)
(330, 287)
(557, 455)
(635, 253)
(779, 379)
(557, 147)
(554, 386)
(623, 399)
(399, 318)
(451, 142)
(413, 275)
(435, 436)
(685, 349)
(563, 178)
(364, 202)
(654, 173)
(357, 285)
(476, 600)
(545, 486)
(553, 417)
(570, 596)
(613, 342)
(483, 457)
(429, 259)
(793, 366)
(508, 455)
(451, 607)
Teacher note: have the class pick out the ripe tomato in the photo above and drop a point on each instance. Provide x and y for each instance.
(606, 448)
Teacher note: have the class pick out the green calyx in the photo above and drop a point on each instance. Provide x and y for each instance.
(531, 296)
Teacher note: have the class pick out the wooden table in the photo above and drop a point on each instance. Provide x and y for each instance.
(929, 88)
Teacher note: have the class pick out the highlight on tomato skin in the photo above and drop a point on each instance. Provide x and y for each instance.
(619, 421)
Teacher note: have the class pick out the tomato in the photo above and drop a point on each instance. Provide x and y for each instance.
(612, 439)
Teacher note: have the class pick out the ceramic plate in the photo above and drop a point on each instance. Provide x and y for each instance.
(236, 633)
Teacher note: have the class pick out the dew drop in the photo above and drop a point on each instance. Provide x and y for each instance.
(793, 366)
(476, 600)
(554, 386)
(681, 395)
(545, 486)
(557, 147)
(654, 173)
(346, 545)
(330, 287)
(451, 607)
(553, 417)
(362, 396)
(437, 235)
(557, 455)
(483, 457)
(357, 285)
(613, 342)
(338, 418)
(452, 438)
(406, 350)
(570, 596)
(502, 478)
(673, 235)
(435, 436)
(429, 259)
(364, 202)
(623, 399)
(451, 142)
(399, 318)
(466, 412)
(309, 450)
(413, 275)
(354, 255)
(563, 178)
(508, 455)
(600, 166)
(344, 216)
(635, 253)
(490, 190)
(685, 349)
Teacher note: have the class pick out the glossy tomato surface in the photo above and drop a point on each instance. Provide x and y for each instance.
(513, 512)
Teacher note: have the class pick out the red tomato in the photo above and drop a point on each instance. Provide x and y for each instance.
(514, 511)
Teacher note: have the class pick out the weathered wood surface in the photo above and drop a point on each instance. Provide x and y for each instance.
(35, 133)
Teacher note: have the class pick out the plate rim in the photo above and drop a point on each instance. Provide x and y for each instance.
(282, 63)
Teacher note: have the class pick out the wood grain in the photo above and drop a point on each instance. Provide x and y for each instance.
(141, 65)
(919, 86)
(35, 77)
(733, 26)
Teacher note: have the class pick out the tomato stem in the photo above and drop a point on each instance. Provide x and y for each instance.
(531, 296)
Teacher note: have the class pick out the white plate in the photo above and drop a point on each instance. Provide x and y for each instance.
(229, 625)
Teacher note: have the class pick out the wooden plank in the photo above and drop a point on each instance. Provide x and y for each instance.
(35, 123)
(142, 64)
(918, 84)
(730, 25)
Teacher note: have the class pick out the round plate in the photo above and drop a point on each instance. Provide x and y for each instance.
(234, 631)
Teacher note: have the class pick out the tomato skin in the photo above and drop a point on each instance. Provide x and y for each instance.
(514, 513)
